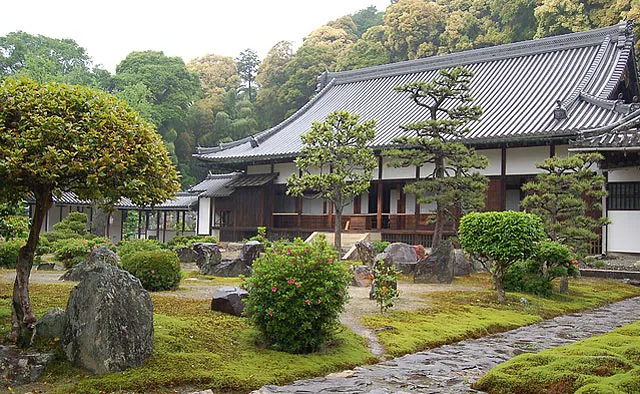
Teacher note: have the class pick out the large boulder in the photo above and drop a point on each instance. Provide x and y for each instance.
(438, 266)
(250, 251)
(208, 256)
(52, 324)
(231, 268)
(401, 255)
(186, 255)
(462, 266)
(97, 258)
(229, 299)
(366, 252)
(109, 325)
(362, 276)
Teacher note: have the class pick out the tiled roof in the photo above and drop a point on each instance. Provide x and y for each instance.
(215, 185)
(622, 135)
(251, 180)
(517, 86)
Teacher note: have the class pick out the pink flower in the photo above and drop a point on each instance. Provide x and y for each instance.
(274, 289)
(319, 301)
(291, 281)
(270, 313)
(298, 285)
(329, 260)
(288, 251)
(153, 271)
(307, 302)
(88, 250)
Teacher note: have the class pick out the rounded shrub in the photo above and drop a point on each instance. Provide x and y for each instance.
(157, 269)
(72, 251)
(9, 252)
(133, 245)
(296, 292)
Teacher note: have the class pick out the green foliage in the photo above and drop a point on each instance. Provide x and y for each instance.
(14, 226)
(335, 162)
(453, 184)
(296, 292)
(607, 363)
(247, 63)
(129, 246)
(524, 277)
(262, 237)
(9, 252)
(385, 284)
(74, 222)
(499, 239)
(157, 270)
(72, 251)
(380, 246)
(564, 195)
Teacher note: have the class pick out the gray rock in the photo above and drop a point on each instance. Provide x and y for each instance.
(19, 367)
(462, 265)
(52, 324)
(438, 266)
(231, 268)
(250, 251)
(401, 255)
(228, 299)
(208, 256)
(362, 276)
(366, 252)
(46, 266)
(186, 255)
(109, 321)
(97, 258)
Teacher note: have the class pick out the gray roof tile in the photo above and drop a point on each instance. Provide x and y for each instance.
(517, 86)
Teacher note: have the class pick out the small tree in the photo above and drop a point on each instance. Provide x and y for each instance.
(335, 163)
(499, 239)
(55, 138)
(562, 196)
(452, 184)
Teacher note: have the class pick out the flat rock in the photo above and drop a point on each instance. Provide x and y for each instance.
(18, 366)
(229, 299)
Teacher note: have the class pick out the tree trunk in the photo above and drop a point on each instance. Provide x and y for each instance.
(564, 284)
(497, 277)
(22, 317)
(440, 210)
(338, 231)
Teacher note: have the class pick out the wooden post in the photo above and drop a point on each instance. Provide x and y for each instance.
(158, 225)
(164, 226)
(416, 211)
(299, 212)
(552, 150)
(139, 222)
(503, 179)
(379, 210)
(184, 213)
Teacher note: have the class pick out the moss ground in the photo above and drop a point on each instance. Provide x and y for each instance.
(609, 363)
(451, 316)
(197, 348)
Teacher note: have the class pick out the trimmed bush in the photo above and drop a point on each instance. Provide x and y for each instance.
(74, 225)
(72, 251)
(296, 292)
(9, 252)
(133, 245)
(157, 269)
(523, 277)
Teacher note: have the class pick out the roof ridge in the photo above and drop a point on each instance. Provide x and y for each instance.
(597, 62)
(498, 52)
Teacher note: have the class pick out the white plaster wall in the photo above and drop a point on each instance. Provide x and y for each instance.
(204, 215)
(115, 226)
(54, 217)
(396, 172)
(410, 203)
(562, 151)
(494, 156)
(364, 203)
(623, 235)
(629, 174)
(393, 201)
(348, 210)
(428, 208)
(521, 161)
(312, 206)
(284, 170)
(425, 169)
(259, 169)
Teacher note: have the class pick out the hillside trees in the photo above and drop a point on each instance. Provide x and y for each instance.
(57, 137)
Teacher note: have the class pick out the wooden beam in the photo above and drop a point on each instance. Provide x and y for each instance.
(503, 179)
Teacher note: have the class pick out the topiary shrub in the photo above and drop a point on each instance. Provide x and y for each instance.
(157, 269)
(72, 251)
(74, 225)
(133, 245)
(9, 252)
(296, 292)
(500, 239)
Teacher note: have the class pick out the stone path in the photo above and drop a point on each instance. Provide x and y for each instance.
(451, 369)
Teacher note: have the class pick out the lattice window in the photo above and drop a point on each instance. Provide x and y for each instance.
(623, 196)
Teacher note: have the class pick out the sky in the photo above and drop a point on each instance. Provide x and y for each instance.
(110, 30)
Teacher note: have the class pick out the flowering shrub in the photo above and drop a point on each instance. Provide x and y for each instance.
(9, 252)
(296, 292)
(157, 269)
(72, 251)
(385, 284)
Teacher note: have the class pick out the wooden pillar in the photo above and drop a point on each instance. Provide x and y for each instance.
(164, 226)
(146, 225)
(158, 225)
(184, 213)
(379, 210)
(552, 150)
(503, 179)
(108, 224)
(417, 204)
(299, 212)
(139, 222)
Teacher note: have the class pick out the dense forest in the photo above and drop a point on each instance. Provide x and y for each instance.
(213, 98)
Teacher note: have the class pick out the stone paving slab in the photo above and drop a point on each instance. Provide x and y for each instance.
(451, 369)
